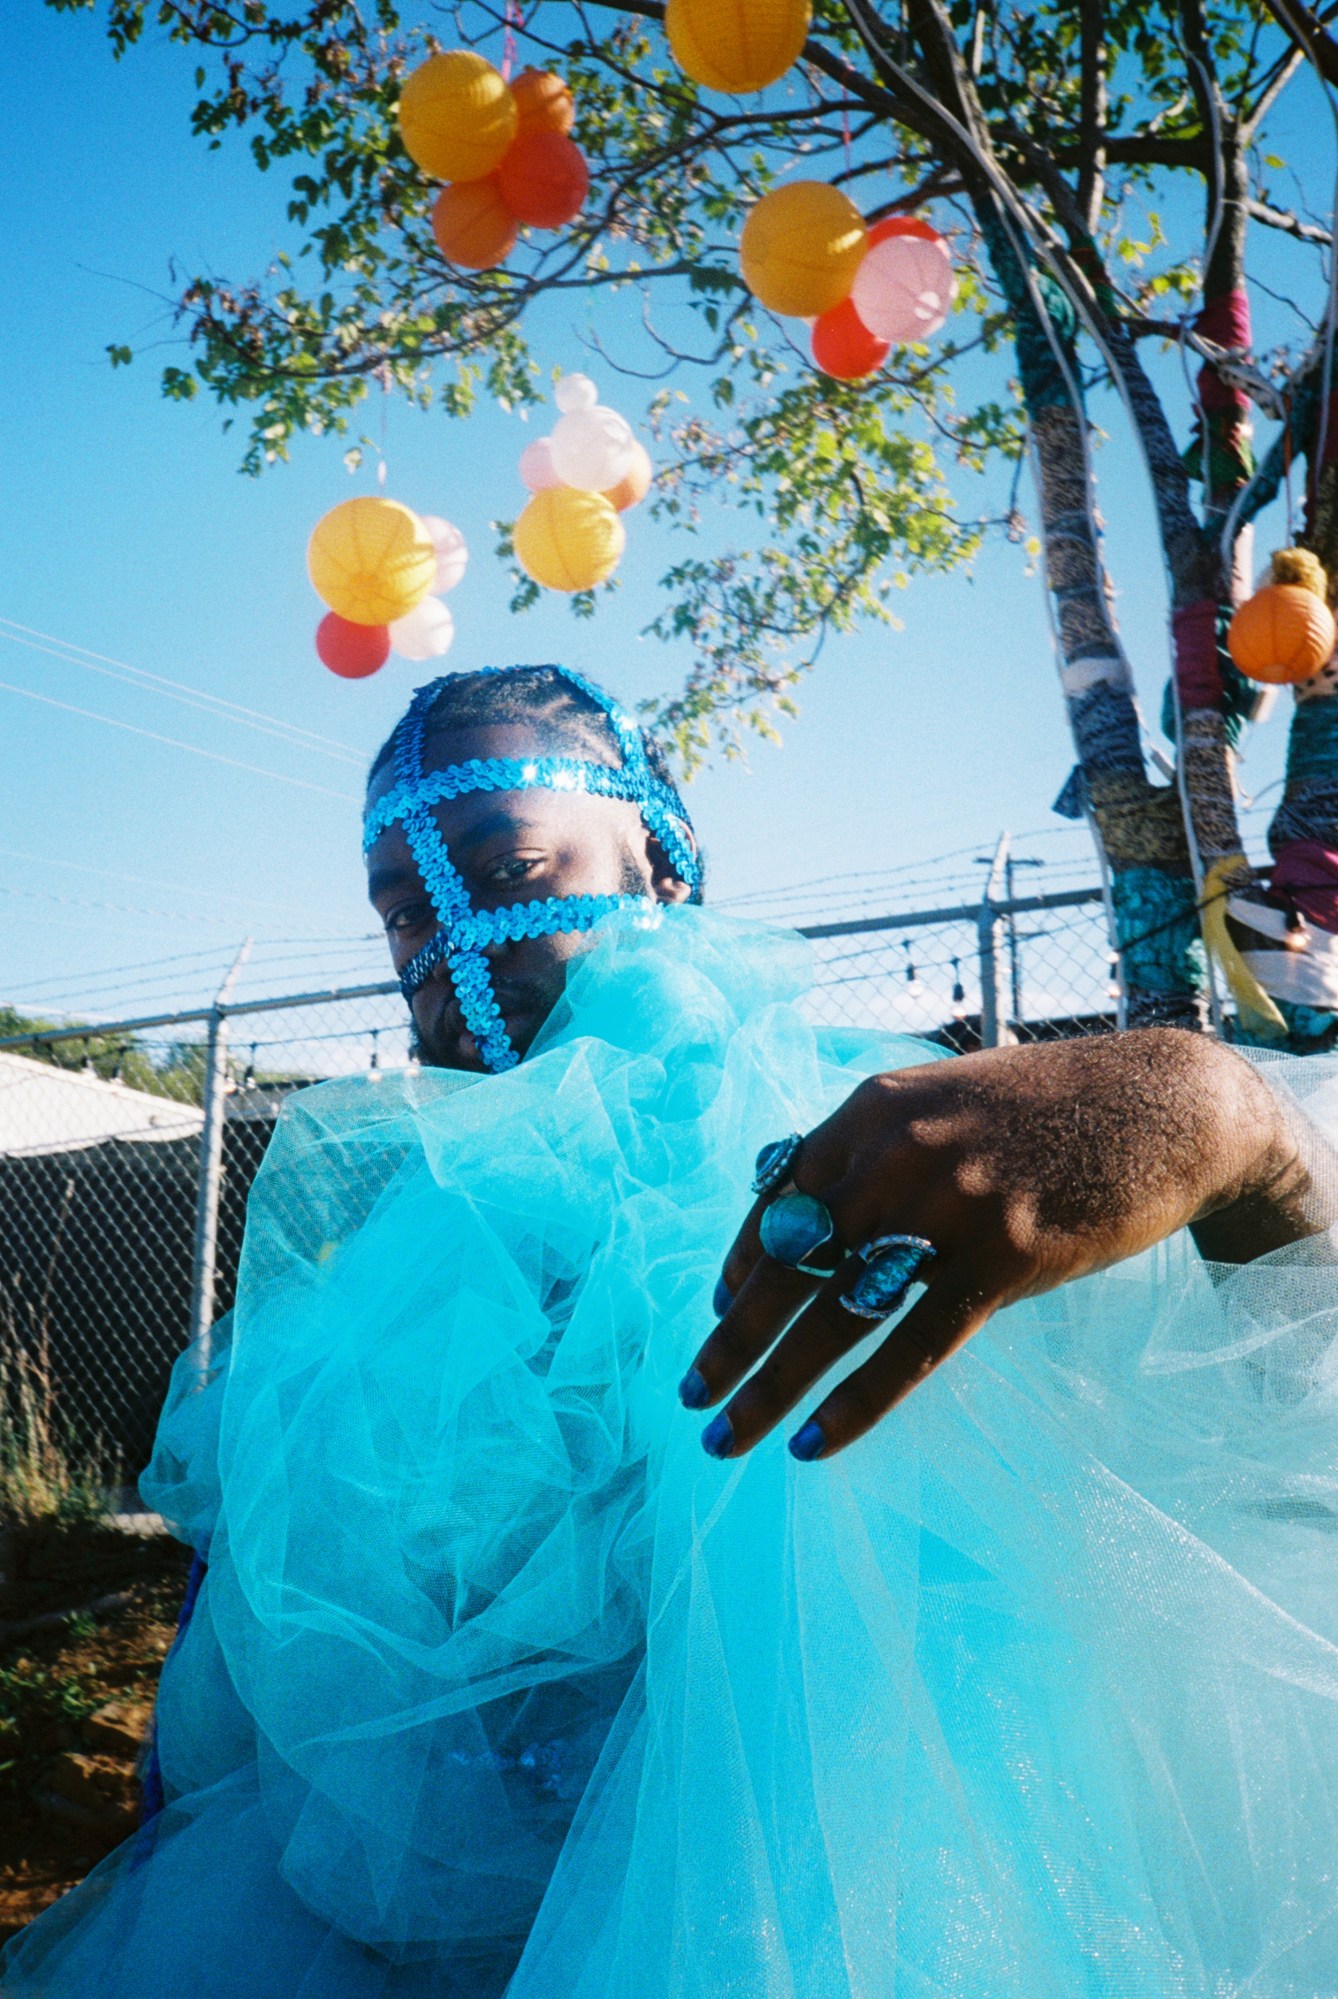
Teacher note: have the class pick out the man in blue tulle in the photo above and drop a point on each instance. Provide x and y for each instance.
(1022, 1168)
(497, 1683)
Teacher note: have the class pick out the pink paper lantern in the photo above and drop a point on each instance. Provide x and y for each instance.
(537, 469)
(904, 287)
(452, 553)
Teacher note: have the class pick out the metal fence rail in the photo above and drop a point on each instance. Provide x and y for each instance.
(127, 1148)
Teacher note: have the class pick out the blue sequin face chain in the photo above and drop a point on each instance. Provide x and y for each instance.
(466, 933)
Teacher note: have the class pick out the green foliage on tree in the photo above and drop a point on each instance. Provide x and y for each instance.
(177, 1072)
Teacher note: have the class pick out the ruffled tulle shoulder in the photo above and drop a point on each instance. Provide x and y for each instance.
(497, 1683)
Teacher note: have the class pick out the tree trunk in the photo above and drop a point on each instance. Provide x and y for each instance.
(1138, 823)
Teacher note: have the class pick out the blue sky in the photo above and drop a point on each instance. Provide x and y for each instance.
(127, 530)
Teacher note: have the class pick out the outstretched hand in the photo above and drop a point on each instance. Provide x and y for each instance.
(1023, 1167)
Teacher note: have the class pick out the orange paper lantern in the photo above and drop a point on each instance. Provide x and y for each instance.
(737, 45)
(801, 247)
(352, 651)
(1285, 632)
(473, 226)
(569, 540)
(629, 492)
(371, 560)
(843, 346)
(544, 179)
(544, 102)
(457, 116)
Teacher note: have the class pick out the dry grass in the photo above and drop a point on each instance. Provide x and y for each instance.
(47, 1471)
(75, 1698)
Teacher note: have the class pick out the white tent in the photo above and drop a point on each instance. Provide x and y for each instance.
(45, 1109)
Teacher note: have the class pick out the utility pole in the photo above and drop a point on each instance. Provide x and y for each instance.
(994, 1031)
(204, 1262)
(1014, 941)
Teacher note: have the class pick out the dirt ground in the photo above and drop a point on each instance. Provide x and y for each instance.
(75, 1699)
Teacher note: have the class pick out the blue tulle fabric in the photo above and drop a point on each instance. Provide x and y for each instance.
(498, 1683)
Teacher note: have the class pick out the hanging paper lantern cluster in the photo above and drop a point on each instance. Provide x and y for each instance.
(805, 253)
(737, 45)
(590, 469)
(504, 149)
(1285, 633)
(379, 566)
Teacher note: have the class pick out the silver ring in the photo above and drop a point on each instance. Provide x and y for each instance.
(892, 1263)
(774, 1161)
(794, 1228)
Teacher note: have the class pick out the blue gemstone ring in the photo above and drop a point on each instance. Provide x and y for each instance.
(794, 1228)
(892, 1263)
(774, 1161)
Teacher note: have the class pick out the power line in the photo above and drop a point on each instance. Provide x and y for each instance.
(213, 756)
(142, 881)
(92, 990)
(71, 654)
(114, 908)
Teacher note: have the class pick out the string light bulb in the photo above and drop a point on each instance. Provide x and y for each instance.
(958, 992)
(913, 986)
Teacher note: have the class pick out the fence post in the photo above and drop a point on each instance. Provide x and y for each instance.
(204, 1260)
(994, 1030)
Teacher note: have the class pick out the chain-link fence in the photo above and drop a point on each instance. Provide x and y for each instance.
(127, 1150)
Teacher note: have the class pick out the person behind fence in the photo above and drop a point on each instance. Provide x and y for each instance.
(498, 1681)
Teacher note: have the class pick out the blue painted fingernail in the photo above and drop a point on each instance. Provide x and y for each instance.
(718, 1436)
(808, 1443)
(722, 1298)
(692, 1390)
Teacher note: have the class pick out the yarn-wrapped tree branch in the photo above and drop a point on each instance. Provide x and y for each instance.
(1035, 139)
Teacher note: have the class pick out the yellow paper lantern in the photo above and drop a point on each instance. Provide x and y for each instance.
(737, 45)
(371, 560)
(457, 116)
(801, 247)
(1286, 632)
(569, 540)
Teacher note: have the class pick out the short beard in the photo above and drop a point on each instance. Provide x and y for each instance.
(632, 879)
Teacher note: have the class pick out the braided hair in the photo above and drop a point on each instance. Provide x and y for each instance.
(545, 699)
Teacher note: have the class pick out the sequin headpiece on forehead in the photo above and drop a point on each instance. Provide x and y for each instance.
(466, 933)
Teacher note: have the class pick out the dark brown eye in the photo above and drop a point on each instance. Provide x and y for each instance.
(516, 869)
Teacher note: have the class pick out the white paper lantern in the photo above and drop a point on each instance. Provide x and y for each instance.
(537, 470)
(904, 287)
(593, 448)
(452, 554)
(575, 392)
(425, 632)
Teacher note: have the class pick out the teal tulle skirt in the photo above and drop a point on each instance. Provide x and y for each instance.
(497, 1683)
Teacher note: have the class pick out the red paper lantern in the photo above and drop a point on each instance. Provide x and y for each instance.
(544, 179)
(843, 346)
(901, 225)
(352, 651)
